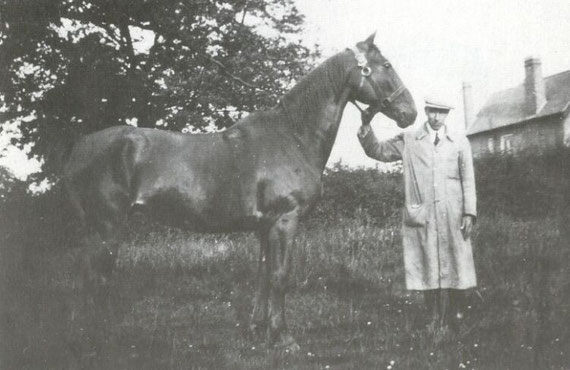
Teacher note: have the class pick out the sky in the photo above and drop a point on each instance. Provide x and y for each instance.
(434, 45)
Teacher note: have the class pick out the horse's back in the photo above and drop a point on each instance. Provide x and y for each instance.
(92, 149)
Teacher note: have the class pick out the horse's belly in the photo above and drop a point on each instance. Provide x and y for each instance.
(200, 205)
(202, 220)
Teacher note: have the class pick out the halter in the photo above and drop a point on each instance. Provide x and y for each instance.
(366, 72)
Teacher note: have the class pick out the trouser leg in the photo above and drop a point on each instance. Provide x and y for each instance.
(433, 301)
(441, 304)
(431, 298)
(457, 299)
(457, 302)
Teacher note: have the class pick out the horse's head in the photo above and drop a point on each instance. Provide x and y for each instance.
(376, 83)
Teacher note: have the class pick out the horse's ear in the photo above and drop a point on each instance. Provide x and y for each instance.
(368, 43)
(370, 40)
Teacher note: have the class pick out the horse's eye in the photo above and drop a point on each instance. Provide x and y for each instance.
(387, 65)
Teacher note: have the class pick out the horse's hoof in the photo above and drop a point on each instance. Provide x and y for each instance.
(287, 344)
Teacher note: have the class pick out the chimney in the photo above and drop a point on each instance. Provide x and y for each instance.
(535, 97)
(468, 111)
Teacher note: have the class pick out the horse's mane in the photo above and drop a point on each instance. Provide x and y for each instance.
(303, 100)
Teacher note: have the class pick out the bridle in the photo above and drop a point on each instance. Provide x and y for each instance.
(365, 73)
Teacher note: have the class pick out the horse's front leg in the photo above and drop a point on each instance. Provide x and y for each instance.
(259, 315)
(281, 239)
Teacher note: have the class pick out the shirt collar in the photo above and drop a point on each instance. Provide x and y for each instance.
(426, 130)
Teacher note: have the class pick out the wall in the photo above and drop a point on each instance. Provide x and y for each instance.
(566, 127)
(542, 134)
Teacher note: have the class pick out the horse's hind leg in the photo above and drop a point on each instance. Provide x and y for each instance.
(75, 207)
(90, 306)
(95, 312)
(99, 253)
(260, 302)
(281, 238)
(102, 242)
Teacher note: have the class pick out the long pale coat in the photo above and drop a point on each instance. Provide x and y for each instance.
(439, 190)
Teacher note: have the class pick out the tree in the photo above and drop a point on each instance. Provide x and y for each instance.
(76, 66)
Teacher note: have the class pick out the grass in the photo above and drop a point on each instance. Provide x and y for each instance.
(180, 301)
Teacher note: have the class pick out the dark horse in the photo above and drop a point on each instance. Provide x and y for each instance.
(262, 174)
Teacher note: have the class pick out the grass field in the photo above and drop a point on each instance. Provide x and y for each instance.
(181, 301)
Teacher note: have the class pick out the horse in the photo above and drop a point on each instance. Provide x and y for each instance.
(262, 175)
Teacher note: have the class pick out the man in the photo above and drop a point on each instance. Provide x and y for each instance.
(439, 211)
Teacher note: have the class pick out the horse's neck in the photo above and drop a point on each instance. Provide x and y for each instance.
(314, 109)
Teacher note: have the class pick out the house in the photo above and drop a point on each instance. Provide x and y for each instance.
(533, 115)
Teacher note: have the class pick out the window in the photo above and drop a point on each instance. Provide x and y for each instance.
(491, 145)
(506, 144)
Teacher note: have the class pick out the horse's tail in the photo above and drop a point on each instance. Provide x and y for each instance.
(55, 160)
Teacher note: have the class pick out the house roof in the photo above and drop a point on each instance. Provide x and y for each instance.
(506, 107)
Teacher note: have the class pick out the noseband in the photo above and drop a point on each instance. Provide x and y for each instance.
(365, 73)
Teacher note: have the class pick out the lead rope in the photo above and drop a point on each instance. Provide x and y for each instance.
(357, 106)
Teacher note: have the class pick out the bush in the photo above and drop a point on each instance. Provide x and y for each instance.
(364, 193)
(524, 186)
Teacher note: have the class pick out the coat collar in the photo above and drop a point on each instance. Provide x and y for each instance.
(423, 132)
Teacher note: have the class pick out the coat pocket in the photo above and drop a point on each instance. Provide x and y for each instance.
(415, 215)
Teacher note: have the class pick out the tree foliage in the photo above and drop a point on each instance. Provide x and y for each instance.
(76, 66)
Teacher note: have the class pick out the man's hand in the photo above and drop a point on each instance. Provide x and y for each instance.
(363, 131)
(366, 116)
(467, 226)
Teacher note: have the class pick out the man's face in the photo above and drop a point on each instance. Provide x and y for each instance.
(436, 117)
